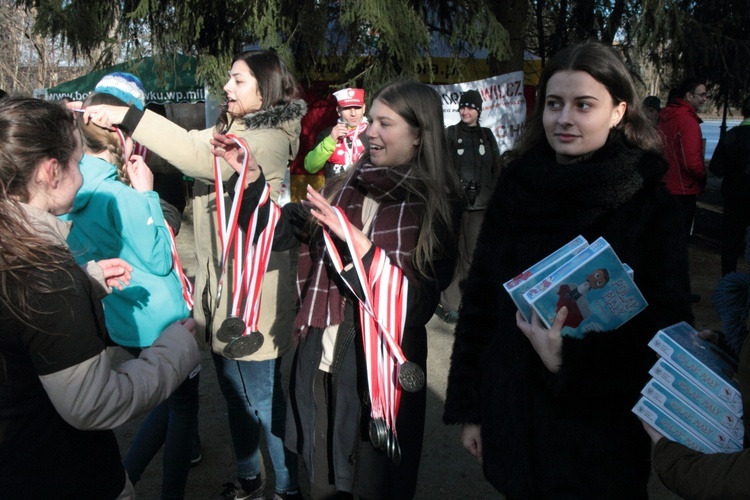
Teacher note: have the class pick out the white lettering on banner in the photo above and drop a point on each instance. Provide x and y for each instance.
(73, 96)
(153, 96)
(503, 109)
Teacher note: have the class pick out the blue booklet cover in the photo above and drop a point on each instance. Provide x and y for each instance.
(667, 426)
(681, 386)
(690, 418)
(707, 365)
(597, 289)
(517, 286)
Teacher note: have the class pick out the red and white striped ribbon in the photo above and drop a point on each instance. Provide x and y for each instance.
(254, 264)
(382, 320)
(228, 227)
(187, 286)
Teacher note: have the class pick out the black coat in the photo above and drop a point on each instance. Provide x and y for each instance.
(570, 434)
(477, 159)
(731, 160)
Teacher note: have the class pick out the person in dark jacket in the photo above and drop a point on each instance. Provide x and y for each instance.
(549, 416)
(477, 160)
(60, 397)
(731, 160)
(402, 201)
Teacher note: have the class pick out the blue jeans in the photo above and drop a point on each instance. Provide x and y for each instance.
(255, 401)
(172, 424)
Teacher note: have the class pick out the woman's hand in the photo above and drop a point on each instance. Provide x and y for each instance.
(710, 336)
(653, 433)
(74, 105)
(116, 272)
(226, 147)
(188, 323)
(471, 438)
(105, 115)
(141, 177)
(327, 218)
(546, 342)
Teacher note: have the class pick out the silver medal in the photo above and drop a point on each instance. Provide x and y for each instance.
(231, 328)
(411, 377)
(244, 346)
(378, 433)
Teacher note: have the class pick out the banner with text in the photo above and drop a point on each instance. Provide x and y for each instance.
(503, 109)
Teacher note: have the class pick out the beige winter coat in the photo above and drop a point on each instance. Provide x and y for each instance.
(273, 137)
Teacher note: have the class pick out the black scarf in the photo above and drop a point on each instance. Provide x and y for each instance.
(538, 193)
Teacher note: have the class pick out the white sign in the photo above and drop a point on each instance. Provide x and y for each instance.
(503, 109)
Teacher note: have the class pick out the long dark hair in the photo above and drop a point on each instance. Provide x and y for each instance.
(433, 180)
(31, 131)
(277, 85)
(605, 66)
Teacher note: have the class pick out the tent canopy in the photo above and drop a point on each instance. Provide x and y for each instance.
(171, 80)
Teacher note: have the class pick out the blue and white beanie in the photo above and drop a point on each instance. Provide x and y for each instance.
(125, 87)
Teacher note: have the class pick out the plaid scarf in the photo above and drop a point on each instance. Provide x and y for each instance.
(394, 228)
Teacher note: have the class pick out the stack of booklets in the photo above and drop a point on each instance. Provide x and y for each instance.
(589, 280)
(693, 397)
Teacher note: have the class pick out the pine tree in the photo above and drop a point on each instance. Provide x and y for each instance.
(363, 42)
(700, 38)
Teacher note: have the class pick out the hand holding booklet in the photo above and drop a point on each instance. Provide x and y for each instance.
(589, 280)
(693, 397)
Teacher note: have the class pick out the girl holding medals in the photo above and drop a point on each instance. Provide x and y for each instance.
(377, 248)
(263, 107)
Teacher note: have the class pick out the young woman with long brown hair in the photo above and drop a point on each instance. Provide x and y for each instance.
(549, 416)
(59, 396)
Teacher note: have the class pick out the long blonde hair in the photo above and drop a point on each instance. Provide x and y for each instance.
(97, 139)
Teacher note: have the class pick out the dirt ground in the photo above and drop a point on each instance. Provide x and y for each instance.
(447, 471)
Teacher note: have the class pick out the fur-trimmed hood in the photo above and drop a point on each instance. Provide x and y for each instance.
(276, 116)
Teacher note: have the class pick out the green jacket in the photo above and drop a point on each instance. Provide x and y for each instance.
(318, 156)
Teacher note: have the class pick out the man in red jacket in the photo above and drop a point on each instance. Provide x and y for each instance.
(683, 145)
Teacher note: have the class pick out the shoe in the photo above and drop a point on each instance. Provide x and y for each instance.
(287, 496)
(235, 491)
(229, 492)
(250, 489)
(195, 453)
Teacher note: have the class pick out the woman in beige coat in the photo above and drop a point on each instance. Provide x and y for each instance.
(263, 108)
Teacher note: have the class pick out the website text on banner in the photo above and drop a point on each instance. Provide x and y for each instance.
(503, 109)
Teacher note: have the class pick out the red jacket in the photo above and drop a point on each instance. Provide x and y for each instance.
(679, 125)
